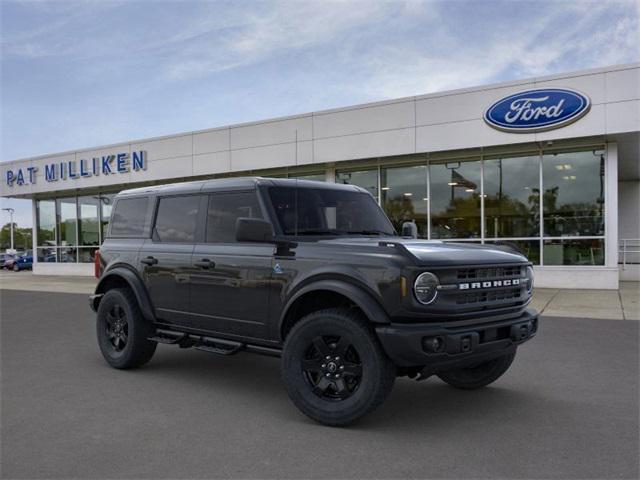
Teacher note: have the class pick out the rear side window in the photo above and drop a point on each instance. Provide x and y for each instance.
(128, 218)
(225, 209)
(176, 219)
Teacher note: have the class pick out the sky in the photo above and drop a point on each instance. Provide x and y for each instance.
(86, 73)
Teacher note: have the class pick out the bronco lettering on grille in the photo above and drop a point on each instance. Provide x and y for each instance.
(489, 284)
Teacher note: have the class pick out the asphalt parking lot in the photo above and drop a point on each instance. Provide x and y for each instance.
(568, 408)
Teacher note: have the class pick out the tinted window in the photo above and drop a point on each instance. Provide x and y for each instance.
(176, 219)
(316, 211)
(225, 209)
(128, 218)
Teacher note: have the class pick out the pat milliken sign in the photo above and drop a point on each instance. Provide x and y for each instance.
(117, 163)
(537, 110)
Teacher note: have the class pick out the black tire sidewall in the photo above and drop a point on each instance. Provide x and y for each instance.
(376, 368)
(137, 332)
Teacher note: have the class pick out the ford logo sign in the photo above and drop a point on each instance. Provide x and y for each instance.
(537, 110)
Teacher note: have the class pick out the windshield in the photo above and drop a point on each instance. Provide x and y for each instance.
(324, 211)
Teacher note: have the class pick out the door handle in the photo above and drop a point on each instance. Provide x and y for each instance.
(204, 263)
(149, 261)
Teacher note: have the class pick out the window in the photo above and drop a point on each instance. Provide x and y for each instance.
(129, 217)
(574, 252)
(317, 177)
(573, 198)
(404, 196)
(367, 179)
(67, 221)
(176, 219)
(224, 209)
(46, 222)
(455, 200)
(106, 203)
(88, 221)
(512, 197)
(314, 211)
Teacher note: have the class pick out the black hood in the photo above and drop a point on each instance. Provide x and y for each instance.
(437, 253)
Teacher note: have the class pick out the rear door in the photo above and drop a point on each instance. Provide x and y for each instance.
(231, 281)
(166, 257)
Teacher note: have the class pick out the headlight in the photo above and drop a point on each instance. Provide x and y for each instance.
(425, 288)
(529, 279)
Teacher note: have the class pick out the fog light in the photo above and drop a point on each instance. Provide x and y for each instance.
(433, 344)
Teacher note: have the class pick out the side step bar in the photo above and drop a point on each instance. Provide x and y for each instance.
(218, 346)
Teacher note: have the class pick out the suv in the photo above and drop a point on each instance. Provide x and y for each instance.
(313, 273)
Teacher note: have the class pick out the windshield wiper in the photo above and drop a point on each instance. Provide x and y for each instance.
(318, 232)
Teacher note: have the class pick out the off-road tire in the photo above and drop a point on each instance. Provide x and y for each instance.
(480, 375)
(137, 350)
(376, 370)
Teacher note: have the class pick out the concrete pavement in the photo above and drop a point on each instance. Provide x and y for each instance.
(567, 408)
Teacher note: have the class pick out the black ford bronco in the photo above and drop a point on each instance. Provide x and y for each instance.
(313, 273)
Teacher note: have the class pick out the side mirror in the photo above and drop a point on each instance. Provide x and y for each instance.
(254, 230)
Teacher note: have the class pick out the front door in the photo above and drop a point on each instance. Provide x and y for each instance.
(230, 283)
(166, 258)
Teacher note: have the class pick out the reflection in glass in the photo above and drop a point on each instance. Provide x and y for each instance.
(404, 196)
(316, 177)
(455, 200)
(512, 197)
(574, 252)
(47, 255)
(67, 221)
(367, 179)
(46, 220)
(573, 198)
(106, 202)
(88, 225)
(87, 255)
(67, 254)
(529, 248)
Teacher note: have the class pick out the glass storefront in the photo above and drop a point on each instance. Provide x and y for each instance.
(446, 200)
(71, 229)
(492, 199)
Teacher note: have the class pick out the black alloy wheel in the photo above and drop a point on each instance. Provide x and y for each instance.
(117, 327)
(332, 367)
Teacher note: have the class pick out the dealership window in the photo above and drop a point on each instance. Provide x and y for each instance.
(574, 251)
(46, 230)
(455, 199)
(106, 205)
(512, 196)
(573, 194)
(405, 196)
(317, 177)
(367, 179)
(67, 213)
(88, 222)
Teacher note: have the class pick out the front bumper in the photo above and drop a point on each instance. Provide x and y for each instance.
(457, 344)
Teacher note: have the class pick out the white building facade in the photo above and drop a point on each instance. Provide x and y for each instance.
(550, 165)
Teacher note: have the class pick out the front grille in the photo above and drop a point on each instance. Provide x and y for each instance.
(489, 296)
(469, 274)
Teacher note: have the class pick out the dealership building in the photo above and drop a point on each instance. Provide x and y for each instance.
(550, 165)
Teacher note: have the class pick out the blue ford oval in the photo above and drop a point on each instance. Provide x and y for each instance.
(537, 110)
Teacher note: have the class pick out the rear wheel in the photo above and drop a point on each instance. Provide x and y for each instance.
(16, 268)
(480, 375)
(123, 331)
(334, 368)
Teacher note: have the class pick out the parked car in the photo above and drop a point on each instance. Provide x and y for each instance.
(23, 262)
(313, 273)
(7, 260)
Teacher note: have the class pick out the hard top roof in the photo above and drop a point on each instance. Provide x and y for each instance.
(235, 183)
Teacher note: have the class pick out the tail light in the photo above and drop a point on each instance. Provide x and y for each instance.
(97, 264)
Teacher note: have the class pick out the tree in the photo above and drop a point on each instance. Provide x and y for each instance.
(22, 237)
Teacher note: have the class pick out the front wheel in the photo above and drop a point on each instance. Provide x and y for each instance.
(334, 368)
(480, 375)
(123, 331)
(16, 268)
